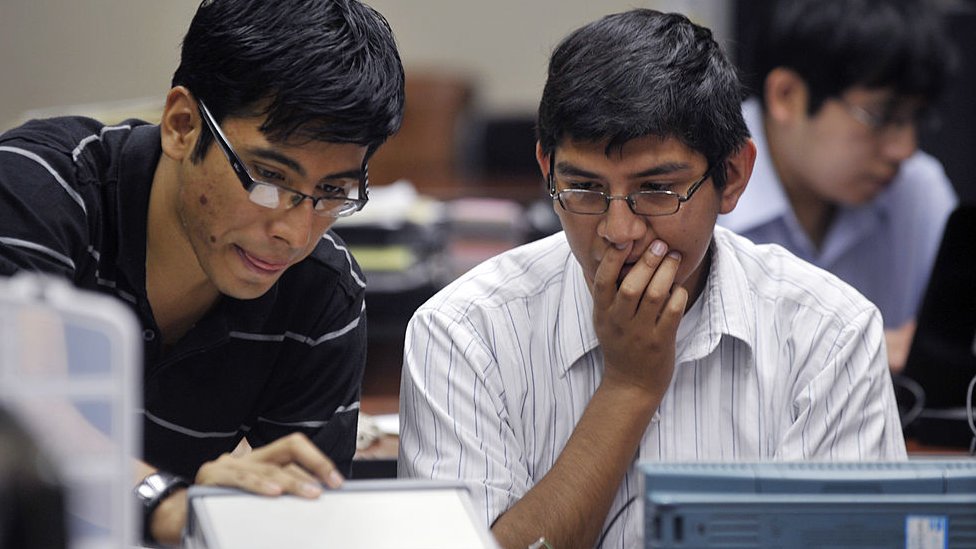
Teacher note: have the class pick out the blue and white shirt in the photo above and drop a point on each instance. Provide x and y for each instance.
(776, 360)
(884, 248)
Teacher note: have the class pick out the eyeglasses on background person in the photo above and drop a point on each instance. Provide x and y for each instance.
(892, 119)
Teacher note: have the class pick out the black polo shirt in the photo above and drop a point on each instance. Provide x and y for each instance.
(74, 197)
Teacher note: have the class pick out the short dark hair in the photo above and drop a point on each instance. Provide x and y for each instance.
(640, 73)
(835, 45)
(321, 70)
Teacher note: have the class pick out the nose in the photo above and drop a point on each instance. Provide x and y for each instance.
(294, 225)
(620, 225)
(899, 142)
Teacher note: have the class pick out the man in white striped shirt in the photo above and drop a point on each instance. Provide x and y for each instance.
(642, 331)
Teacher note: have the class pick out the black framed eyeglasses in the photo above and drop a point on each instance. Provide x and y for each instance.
(651, 203)
(275, 196)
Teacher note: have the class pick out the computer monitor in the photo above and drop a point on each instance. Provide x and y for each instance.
(909, 504)
(941, 364)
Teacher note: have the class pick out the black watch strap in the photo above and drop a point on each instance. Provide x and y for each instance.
(150, 492)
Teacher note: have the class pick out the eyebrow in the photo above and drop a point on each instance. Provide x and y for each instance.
(275, 156)
(568, 169)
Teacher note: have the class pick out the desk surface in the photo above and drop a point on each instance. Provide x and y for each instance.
(386, 446)
(917, 449)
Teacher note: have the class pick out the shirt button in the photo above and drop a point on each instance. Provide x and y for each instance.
(657, 417)
(148, 335)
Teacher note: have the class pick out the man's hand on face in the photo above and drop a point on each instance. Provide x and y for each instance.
(637, 322)
(289, 465)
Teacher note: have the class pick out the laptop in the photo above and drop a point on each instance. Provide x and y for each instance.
(367, 514)
(941, 364)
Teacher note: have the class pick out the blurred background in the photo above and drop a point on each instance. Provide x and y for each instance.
(475, 71)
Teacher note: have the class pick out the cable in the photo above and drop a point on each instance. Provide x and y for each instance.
(971, 414)
(918, 393)
(606, 531)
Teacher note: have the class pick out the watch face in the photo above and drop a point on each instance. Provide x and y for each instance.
(157, 484)
(151, 486)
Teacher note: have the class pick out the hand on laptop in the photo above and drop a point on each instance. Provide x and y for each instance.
(289, 465)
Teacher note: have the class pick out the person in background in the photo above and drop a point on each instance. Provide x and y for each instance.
(641, 331)
(213, 226)
(839, 180)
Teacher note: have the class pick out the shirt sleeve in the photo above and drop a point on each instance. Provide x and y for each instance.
(317, 384)
(42, 215)
(844, 403)
(454, 423)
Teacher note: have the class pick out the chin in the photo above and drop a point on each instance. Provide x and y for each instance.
(244, 291)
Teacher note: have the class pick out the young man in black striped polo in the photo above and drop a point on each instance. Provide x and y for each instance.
(213, 226)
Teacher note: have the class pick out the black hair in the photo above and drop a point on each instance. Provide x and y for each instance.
(835, 45)
(322, 70)
(640, 73)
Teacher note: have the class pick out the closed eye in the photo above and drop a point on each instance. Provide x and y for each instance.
(584, 186)
(265, 174)
(656, 186)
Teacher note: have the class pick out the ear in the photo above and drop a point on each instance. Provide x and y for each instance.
(542, 159)
(738, 170)
(786, 95)
(180, 124)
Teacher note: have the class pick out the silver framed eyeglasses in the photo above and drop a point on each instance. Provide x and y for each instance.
(275, 196)
(651, 203)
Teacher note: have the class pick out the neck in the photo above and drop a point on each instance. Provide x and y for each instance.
(812, 212)
(696, 282)
(178, 289)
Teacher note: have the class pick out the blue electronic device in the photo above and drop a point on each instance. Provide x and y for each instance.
(909, 504)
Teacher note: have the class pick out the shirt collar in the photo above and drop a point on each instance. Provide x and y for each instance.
(575, 335)
(726, 303)
(724, 310)
(140, 156)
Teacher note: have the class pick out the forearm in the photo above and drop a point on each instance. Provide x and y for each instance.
(169, 517)
(570, 504)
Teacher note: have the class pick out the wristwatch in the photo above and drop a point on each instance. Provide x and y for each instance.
(150, 492)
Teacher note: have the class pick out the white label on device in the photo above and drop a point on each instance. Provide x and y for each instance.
(926, 532)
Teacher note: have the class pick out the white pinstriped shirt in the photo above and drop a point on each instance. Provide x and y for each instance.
(783, 362)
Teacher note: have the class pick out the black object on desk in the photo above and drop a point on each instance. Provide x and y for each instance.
(941, 365)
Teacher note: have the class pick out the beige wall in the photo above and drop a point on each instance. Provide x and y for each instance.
(63, 52)
(55, 53)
